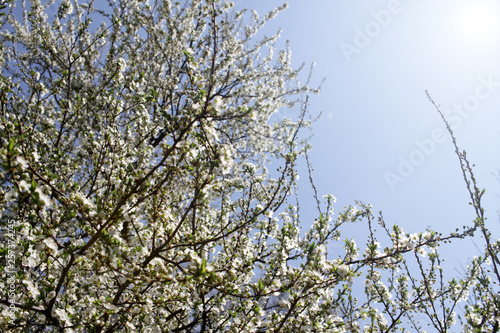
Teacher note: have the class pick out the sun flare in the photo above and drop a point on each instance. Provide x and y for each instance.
(477, 23)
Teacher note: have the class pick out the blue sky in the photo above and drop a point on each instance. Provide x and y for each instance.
(379, 139)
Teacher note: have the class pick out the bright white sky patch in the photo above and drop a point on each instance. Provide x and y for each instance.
(477, 23)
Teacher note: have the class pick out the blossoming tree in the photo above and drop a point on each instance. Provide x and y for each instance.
(146, 185)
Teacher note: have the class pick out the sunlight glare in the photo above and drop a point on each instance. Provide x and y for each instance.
(478, 24)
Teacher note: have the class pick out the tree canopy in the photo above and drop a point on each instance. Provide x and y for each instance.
(148, 183)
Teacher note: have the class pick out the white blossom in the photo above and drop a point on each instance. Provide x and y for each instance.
(44, 198)
(24, 186)
(22, 162)
(51, 244)
(343, 270)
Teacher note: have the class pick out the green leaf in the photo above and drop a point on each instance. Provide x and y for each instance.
(203, 269)
(260, 285)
